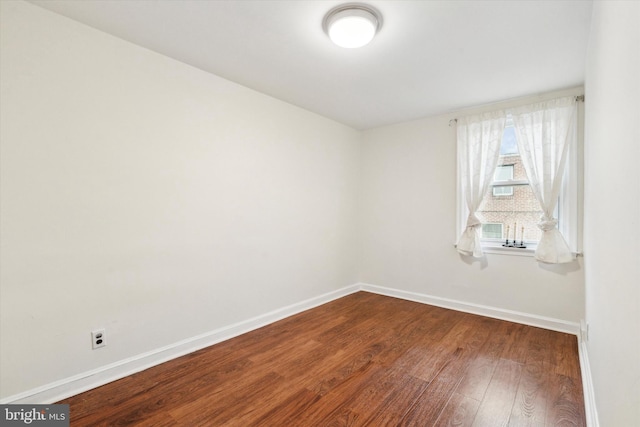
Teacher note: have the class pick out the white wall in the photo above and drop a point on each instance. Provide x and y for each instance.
(612, 211)
(151, 198)
(409, 227)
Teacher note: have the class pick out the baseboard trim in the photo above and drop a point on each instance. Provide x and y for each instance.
(482, 310)
(591, 414)
(76, 384)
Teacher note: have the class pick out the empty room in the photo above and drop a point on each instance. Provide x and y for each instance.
(320, 213)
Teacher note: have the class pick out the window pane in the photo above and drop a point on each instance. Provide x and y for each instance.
(492, 231)
(503, 191)
(503, 173)
(509, 144)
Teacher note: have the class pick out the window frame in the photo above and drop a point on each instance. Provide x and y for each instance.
(504, 182)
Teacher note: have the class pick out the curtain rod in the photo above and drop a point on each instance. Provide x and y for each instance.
(579, 98)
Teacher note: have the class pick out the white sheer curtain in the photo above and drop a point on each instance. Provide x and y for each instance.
(479, 139)
(545, 132)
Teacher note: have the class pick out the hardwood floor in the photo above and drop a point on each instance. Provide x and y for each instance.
(361, 360)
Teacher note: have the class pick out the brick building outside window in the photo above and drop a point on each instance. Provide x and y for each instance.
(505, 205)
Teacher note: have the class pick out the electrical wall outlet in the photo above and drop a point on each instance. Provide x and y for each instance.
(584, 330)
(97, 339)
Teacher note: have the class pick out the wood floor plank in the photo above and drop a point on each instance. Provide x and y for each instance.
(565, 361)
(516, 343)
(274, 394)
(426, 362)
(164, 378)
(532, 398)
(565, 407)
(231, 400)
(162, 395)
(394, 407)
(378, 399)
(290, 411)
(460, 411)
(496, 406)
(159, 419)
(463, 343)
(341, 368)
(427, 409)
(530, 405)
(330, 408)
(364, 359)
(425, 330)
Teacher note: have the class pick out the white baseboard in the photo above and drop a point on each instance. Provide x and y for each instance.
(482, 310)
(71, 386)
(587, 385)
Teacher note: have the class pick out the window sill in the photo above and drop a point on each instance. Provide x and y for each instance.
(529, 251)
(495, 248)
(501, 250)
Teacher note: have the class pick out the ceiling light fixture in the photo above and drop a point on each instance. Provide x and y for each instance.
(352, 25)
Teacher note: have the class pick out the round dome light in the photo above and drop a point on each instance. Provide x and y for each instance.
(352, 26)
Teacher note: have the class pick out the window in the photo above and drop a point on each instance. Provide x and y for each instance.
(492, 231)
(502, 191)
(503, 173)
(510, 204)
